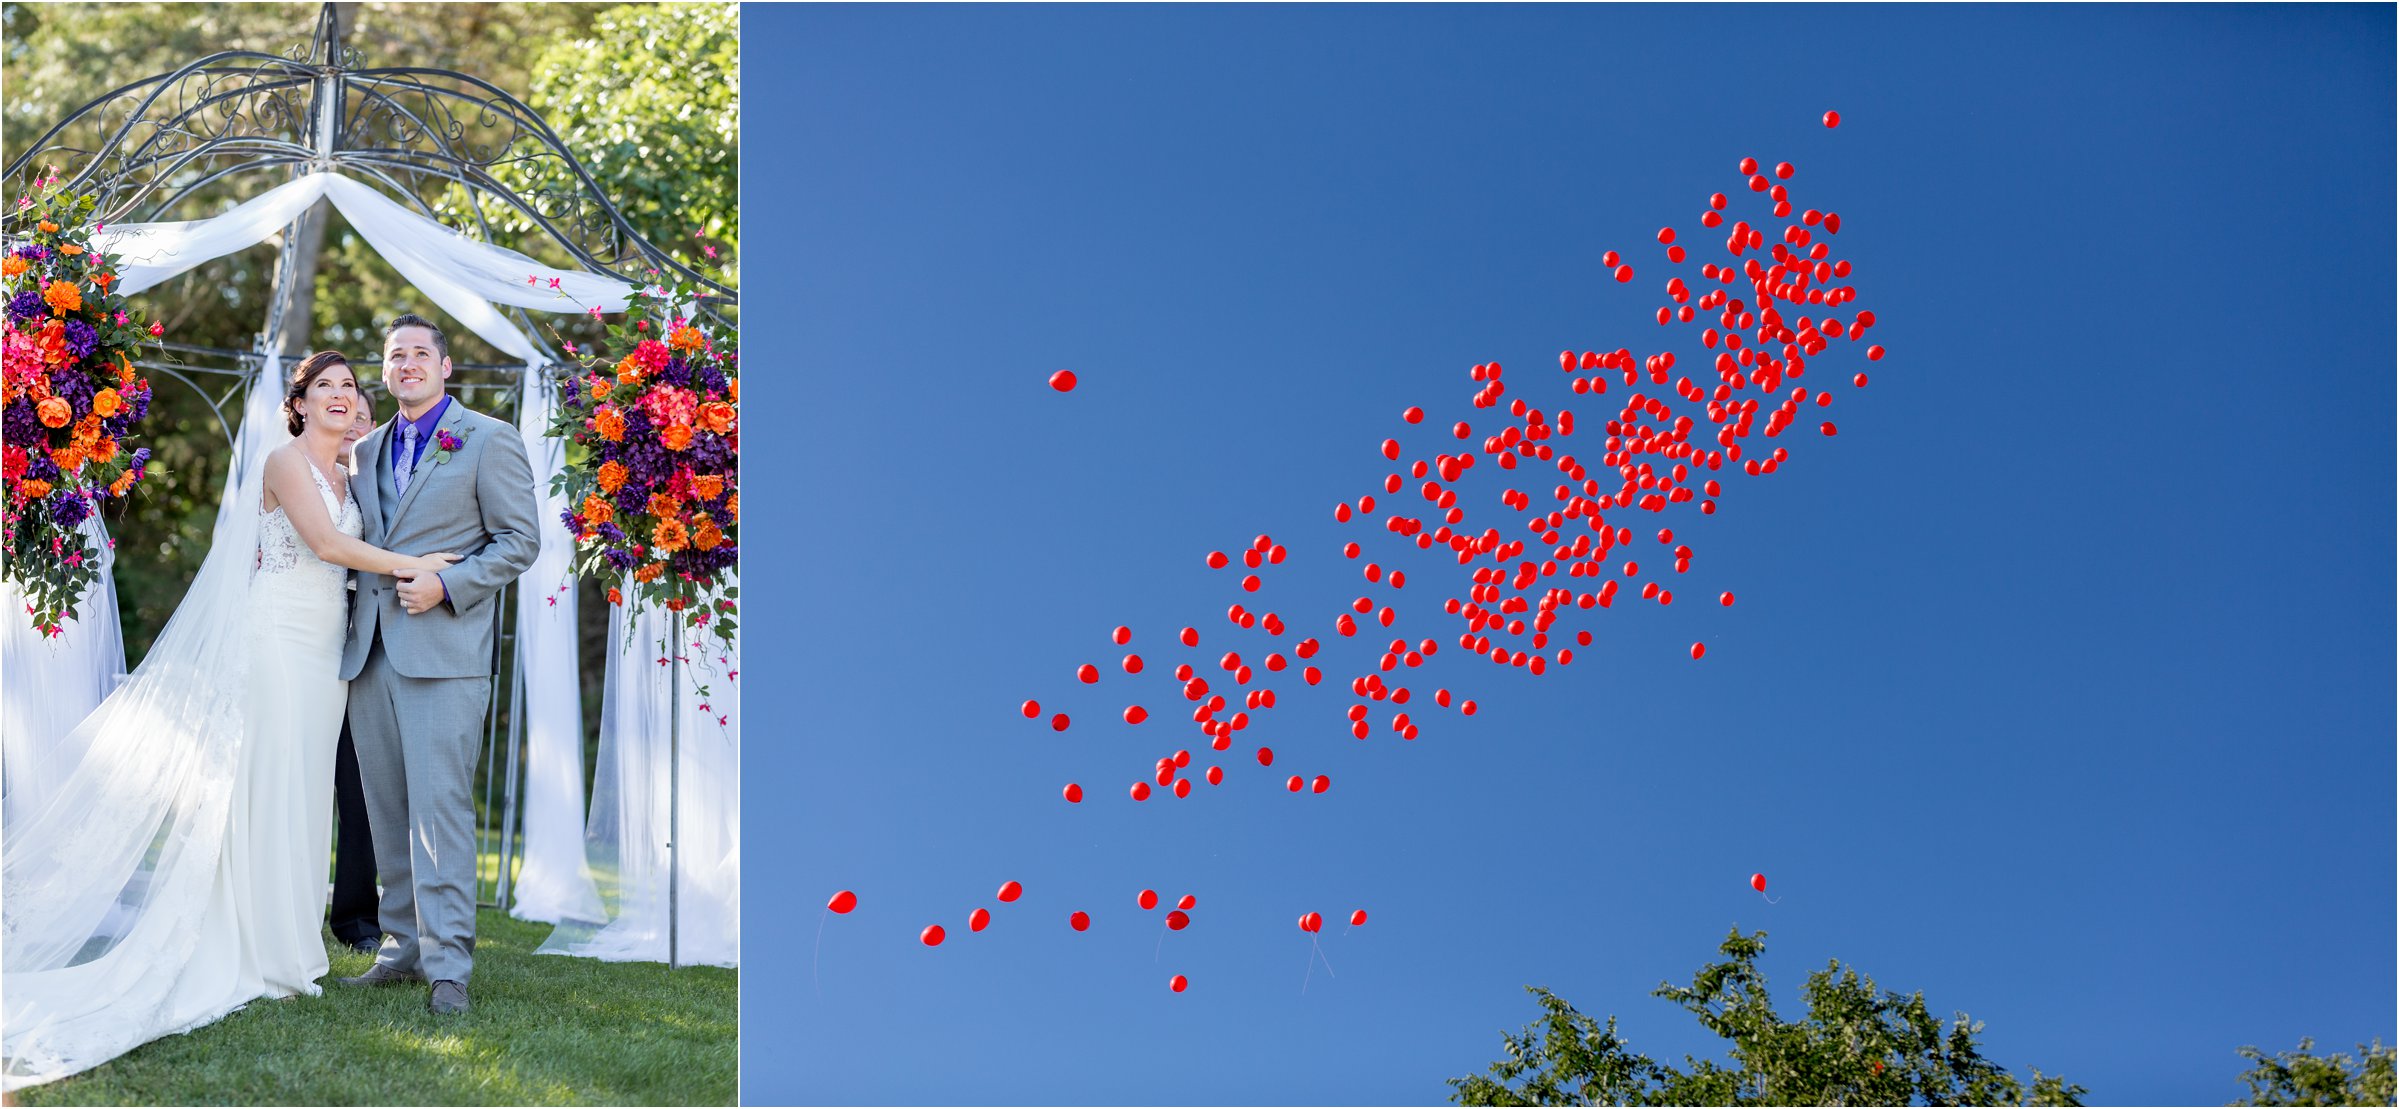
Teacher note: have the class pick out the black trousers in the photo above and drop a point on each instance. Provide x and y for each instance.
(352, 916)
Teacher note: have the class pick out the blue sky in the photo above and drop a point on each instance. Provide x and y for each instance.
(2059, 686)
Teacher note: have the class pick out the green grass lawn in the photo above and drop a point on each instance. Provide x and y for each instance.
(544, 1030)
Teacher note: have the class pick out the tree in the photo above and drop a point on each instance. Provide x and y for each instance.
(2304, 1078)
(1857, 1046)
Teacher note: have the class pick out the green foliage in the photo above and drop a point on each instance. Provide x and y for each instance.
(649, 101)
(1857, 1046)
(2304, 1078)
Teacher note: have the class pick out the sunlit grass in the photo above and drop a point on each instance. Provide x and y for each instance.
(544, 1030)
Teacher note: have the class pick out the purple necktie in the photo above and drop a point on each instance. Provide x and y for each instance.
(408, 436)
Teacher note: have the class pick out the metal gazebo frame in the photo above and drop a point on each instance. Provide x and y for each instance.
(148, 148)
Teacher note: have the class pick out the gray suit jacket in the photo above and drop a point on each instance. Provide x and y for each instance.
(481, 504)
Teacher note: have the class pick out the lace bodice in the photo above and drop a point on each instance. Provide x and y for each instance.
(281, 551)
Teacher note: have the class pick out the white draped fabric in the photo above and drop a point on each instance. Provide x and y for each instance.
(52, 682)
(553, 885)
(630, 811)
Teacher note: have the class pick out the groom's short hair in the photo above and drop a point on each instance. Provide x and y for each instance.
(441, 342)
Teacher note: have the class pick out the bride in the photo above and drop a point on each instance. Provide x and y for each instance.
(178, 873)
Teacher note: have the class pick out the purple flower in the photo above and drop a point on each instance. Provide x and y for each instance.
(29, 252)
(23, 426)
(68, 509)
(81, 338)
(25, 306)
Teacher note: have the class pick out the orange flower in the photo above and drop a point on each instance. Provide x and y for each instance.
(106, 402)
(610, 423)
(124, 482)
(686, 339)
(649, 572)
(104, 451)
(676, 604)
(34, 490)
(733, 507)
(628, 371)
(69, 459)
(615, 598)
(125, 374)
(56, 412)
(63, 296)
(669, 536)
(597, 510)
(733, 388)
(53, 341)
(598, 387)
(613, 475)
(102, 280)
(14, 266)
(662, 505)
(708, 486)
(707, 537)
(717, 416)
(676, 438)
(47, 226)
(70, 250)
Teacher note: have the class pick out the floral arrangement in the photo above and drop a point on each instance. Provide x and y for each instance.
(653, 460)
(69, 398)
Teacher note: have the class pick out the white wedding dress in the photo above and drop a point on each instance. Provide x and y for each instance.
(229, 815)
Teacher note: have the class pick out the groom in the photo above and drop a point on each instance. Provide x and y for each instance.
(419, 659)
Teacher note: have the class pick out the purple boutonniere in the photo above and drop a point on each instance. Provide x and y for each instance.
(444, 445)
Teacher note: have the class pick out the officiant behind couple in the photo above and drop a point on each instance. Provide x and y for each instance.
(168, 883)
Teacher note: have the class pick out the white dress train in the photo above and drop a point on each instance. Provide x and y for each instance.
(197, 950)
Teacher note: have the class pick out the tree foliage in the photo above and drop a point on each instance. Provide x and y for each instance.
(1857, 1046)
(2304, 1078)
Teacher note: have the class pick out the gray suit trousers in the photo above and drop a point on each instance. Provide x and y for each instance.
(418, 740)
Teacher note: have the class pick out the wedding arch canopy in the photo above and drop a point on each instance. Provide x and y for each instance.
(158, 156)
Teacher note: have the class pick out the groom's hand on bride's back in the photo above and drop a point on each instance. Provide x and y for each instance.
(420, 585)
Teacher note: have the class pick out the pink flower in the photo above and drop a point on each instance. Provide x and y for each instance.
(595, 312)
(570, 348)
(553, 282)
(121, 319)
(157, 330)
(532, 279)
(709, 251)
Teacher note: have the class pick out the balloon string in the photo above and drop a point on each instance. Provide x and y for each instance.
(814, 959)
(1161, 945)
(1310, 976)
(1770, 900)
(1328, 961)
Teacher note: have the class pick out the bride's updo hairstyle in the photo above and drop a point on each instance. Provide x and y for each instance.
(304, 375)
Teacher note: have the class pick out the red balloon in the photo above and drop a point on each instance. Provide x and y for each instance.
(1123, 635)
(1074, 794)
(931, 935)
(1148, 899)
(1012, 891)
(1087, 674)
(980, 920)
(1032, 709)
(1063, 381)
(1829, 429)
(1322, 784)
(1296, 784)
(1178, 983)
(1726, 599)
(1079, 920)
(1141, 791)
(1191, 637)
(1177, 920)
(1216, 774)
(1832, 119)
(1188, 902)
(1266, 756)
(1783, 170)
(1182, 787)
(1216, 560)
(843, 902)
(1135, 714)
(1058, 722)
(1757, 882)
(1699, 650)
(1874, 353)
(1748, 166)
(1357, 918)
(1315, 922)
(1413, 415)
(1132, 664)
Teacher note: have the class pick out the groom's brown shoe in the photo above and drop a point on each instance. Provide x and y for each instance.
(381, 974)
(448, 997)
